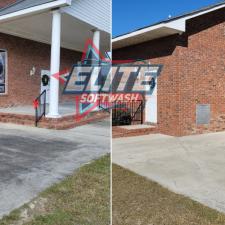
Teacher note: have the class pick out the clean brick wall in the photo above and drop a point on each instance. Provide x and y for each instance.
(193, 73)
(23, 54)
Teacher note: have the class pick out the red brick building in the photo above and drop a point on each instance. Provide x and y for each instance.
(42, 38)
(22, 55)
(5, 3)
(191, 88)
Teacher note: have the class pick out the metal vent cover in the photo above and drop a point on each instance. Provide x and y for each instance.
(203, 114)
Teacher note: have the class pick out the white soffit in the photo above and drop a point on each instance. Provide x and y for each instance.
(173, 26)
(34, 10)
(38, 27)
(35, 24)
(146, 34)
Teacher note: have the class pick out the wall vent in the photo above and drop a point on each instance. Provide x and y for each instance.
(203, 114)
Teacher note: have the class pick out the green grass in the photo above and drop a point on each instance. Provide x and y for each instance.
(80, 199)
(139, 201)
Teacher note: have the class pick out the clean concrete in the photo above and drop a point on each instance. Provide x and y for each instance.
(193, 166)
(136, 126)
(32, 159)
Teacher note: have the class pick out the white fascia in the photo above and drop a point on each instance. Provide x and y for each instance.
(204, 12)
(34, 10)
(178, 24)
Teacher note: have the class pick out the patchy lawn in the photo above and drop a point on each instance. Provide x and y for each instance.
(81, 199)
(138, 201)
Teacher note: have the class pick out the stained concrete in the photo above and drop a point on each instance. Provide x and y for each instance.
(32, 159)
(65, 108)
(193, 166)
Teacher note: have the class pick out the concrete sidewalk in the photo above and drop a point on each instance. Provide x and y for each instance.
(32, 159)
(193, 166)
(65, 108)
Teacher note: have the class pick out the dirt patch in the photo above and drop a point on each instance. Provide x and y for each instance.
(83, 198)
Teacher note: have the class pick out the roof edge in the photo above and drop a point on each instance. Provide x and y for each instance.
(34, 9)
(179, 20)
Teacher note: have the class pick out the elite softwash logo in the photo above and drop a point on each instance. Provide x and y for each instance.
(100, 81)
(95, 79)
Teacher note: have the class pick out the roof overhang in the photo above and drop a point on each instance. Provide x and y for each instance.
(35, 23)
(149, 33)
(34, 10)
(163, 29)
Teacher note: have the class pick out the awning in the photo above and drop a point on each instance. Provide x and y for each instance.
(34, 23)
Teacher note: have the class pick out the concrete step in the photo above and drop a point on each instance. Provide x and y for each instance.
(133, 130)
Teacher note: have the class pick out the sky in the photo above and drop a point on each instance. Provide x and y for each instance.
(129, 15)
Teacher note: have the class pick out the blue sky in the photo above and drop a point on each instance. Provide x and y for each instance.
(129, 15)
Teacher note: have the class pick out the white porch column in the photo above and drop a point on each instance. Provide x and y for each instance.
(96, 39)
(96, 42)
(55, 65)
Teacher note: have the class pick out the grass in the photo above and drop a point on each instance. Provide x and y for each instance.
(80, 199)
(138, 201)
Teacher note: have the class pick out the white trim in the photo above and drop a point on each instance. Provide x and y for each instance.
(47, 87)
(35, 9)
(204, 12)
(6, 73)
(151, 105)
(176, 24)
(140, 32)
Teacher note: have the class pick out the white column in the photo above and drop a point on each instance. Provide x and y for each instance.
(55, 65)
(96, 42)
(96, 39)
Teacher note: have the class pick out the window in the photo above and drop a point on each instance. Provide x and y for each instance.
(3, 72)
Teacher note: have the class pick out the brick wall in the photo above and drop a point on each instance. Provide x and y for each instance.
(23, 54)
(193, 73)
(4, 3)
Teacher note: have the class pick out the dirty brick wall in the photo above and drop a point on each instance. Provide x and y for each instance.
(23, 54)
(4, 3)
(193, 73)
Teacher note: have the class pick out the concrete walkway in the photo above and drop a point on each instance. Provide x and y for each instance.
(32, 159)
(193, 166)
(65, 109)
